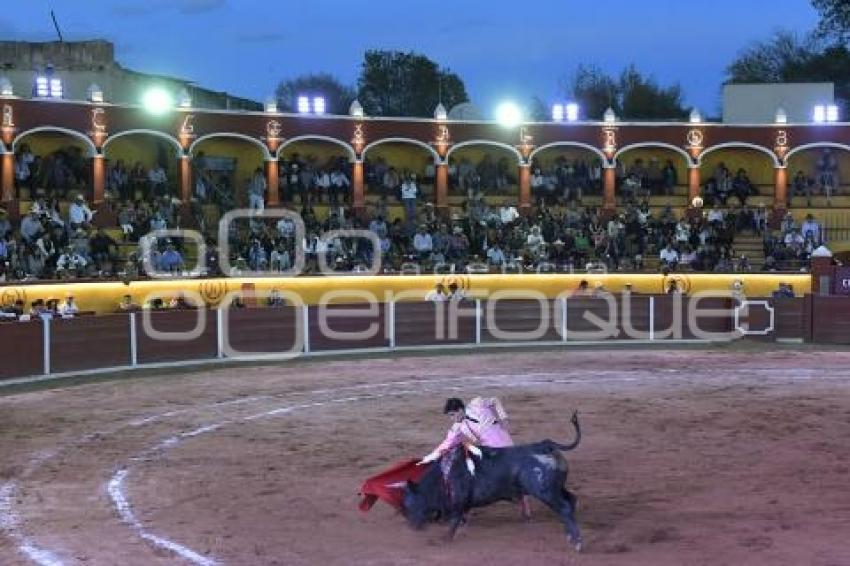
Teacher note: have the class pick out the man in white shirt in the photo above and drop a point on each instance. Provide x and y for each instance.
(257, 190)
(423, 243)
(538, 184)
(437, 295)
(810, 225)
(339, 186)
(322, 183)
(69, 307)
(409, 192)
(535, 241)
(669, 256)
(715, 215)
(495, 255)
(157, 180)
(508, 214)
(286, 227)
(79, 214)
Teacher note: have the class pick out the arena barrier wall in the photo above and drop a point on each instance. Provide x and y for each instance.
(104, 343)
(104, 297)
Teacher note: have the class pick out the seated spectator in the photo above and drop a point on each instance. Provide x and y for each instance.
(171, 261)
(669, 257)
(275, 299)
(68, 307)
(785, 291)
(79, 214)
(810, 226)
(257, 190)
(157, 181)
(71, 264)
(127, 304)
(438, 294)
(423, 243)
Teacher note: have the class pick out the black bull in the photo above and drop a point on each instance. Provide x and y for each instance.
(501, 474)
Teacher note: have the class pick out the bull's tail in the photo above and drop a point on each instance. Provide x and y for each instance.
(575, 443)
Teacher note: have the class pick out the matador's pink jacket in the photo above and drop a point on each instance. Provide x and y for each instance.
(484, 425)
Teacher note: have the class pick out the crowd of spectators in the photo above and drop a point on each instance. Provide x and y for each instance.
(58, 237)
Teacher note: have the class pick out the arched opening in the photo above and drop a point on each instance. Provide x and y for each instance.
(819, 176)
(223, 166)
(52, 163)
(655, 174)
(737, 175)
(316, 174)
(389, 164)
(483, 170)
(141, 166)
(566, 174)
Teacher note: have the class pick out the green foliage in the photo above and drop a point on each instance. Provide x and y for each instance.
(632, 96)
(394, 83)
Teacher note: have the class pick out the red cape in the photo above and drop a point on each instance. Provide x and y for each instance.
(388, 486)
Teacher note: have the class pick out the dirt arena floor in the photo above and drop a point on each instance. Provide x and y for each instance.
(688, 457)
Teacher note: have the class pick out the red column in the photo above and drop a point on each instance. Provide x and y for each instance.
(185, 178)
(7, 177)
(441, 189)
(609, 188)
(694, 184)
(273, 182)
(358, 194)
(780, 195)
(98, 179)
(524, 188)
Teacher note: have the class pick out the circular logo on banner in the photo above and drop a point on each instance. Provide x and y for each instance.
(11, 295)
(463, 282)
(683, 283)
(213, 291)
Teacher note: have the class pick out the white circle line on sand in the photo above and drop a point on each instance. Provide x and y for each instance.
(9, 525)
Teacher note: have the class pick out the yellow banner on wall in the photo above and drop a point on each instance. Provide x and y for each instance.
(105, 297)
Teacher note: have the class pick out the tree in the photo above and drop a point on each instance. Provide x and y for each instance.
(633, 96)
(338, 97)
(769, 61)
(834, 18)
(394, 83)
(641, 98)
(787, 58)
(594, 91)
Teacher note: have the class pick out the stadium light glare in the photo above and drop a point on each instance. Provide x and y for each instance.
(820, 114)
(319, 105)
(157, 101)
(303, 105)
(571, 111)
(6, 88)
(509, 115)
(557, 112)
(832, 113)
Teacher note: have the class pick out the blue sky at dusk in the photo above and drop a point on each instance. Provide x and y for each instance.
(502, 49)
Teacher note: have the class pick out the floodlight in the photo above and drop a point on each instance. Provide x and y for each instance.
(318, 105)
(509, 115)
(303, 105)
(557, 112)
(820, 114)
(157, 101)
(571, 112)
(832, 113)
